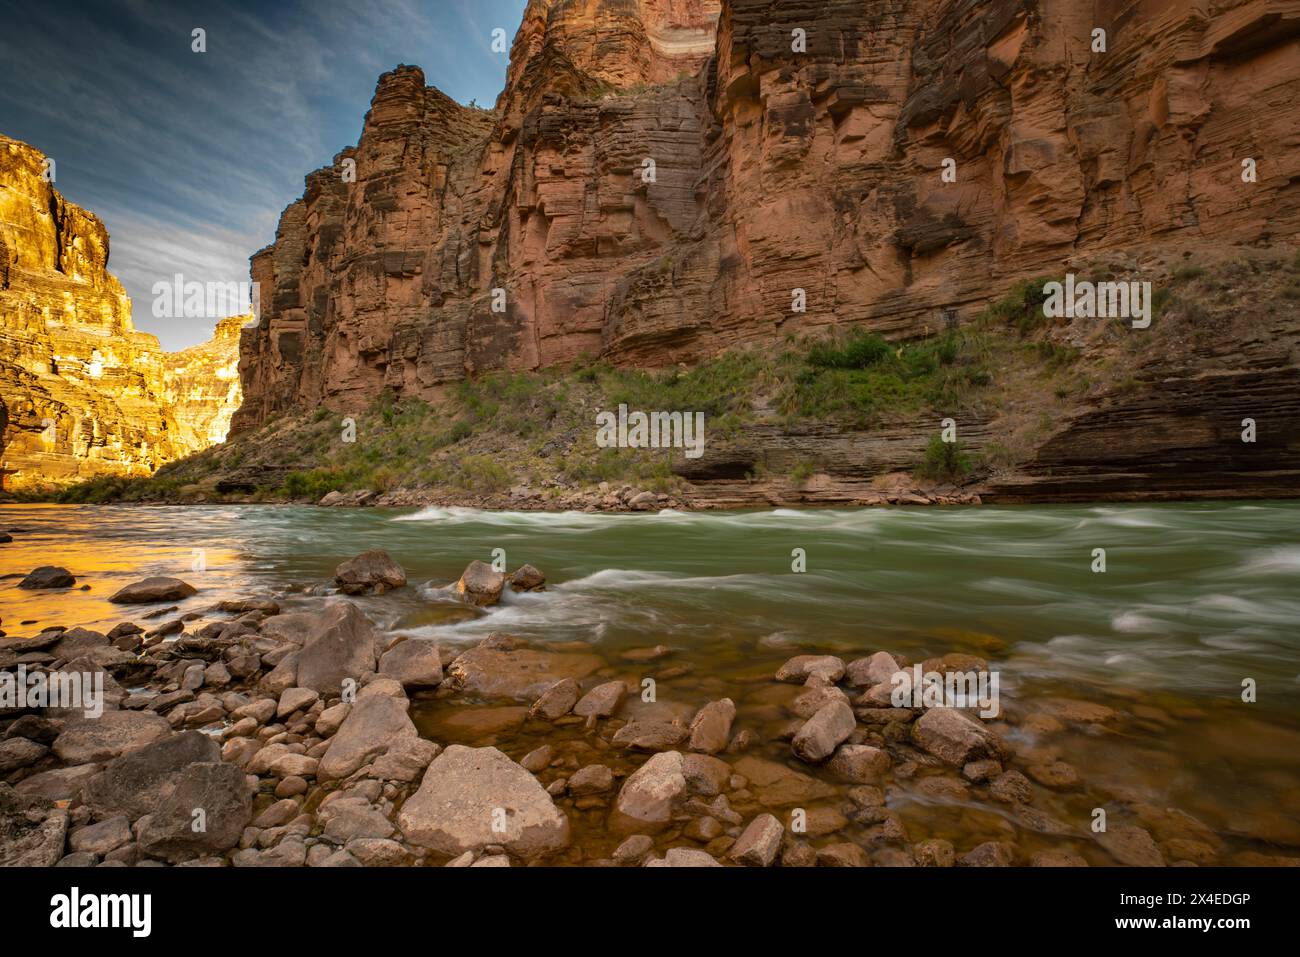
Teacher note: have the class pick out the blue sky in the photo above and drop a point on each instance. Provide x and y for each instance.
(190, 157)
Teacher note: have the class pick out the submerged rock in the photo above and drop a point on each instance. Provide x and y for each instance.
(500, 666)
(1132, 846)
(801, 667)
(684, 857)
(649, 735)
(778, 785)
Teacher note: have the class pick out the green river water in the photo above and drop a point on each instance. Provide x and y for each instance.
(1195, 599)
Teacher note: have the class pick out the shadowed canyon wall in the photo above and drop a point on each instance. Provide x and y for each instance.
(82, 393)
(773, 170)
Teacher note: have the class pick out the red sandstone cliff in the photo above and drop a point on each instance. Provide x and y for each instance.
(774, 169)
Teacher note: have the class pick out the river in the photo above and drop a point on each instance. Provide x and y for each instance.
(1194, 599)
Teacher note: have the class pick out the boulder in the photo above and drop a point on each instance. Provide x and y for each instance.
(373, 725)
(370, 572)
(654, 791)
(294, 699)
(340, 644)
(405, 760)
(758, 844)
(78, 641)
(60, 784)
(988, 854)
(48, 576)
(1131, 845)
(156, 589)
(377, 852)
(593, 779)
(684, 856)
(859, 763)
(801, 667)
(557, 700)
(644, 734)
(842, 855)
(527, 578)
(113, 733)
(137, 783)
(32, 830)
(101, 838)
(813, 699)
(220, 792)
(602, 700)
(480, 584)
(705, 774)
(777, 785)
(711, 726)
(952, 737)
(349, 818)
(18, 753)
(824, 732)
(868, 672)
(34, 728)
(332, 718)
(415, 662)
(472, 797)
(500, 667)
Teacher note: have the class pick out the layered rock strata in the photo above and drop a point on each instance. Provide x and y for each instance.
(82, 393)
(799, 145)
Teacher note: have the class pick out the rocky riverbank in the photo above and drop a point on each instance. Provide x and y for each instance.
(251, 734)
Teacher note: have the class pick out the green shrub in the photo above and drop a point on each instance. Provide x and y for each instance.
(857, 350)
(943, 462)
(481, 473)
(801, 473)
(314, 484)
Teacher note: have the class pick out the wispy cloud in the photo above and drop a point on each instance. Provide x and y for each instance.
(189, 158)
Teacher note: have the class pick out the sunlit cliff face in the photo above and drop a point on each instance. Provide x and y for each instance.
(82, 393)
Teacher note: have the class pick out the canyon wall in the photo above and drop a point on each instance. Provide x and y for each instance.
(663, 180)
(82, 393)
(658, 177)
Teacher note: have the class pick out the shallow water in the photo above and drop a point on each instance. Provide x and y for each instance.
(1195, 598)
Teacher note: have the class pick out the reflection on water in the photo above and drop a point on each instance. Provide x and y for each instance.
(1195, 599)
